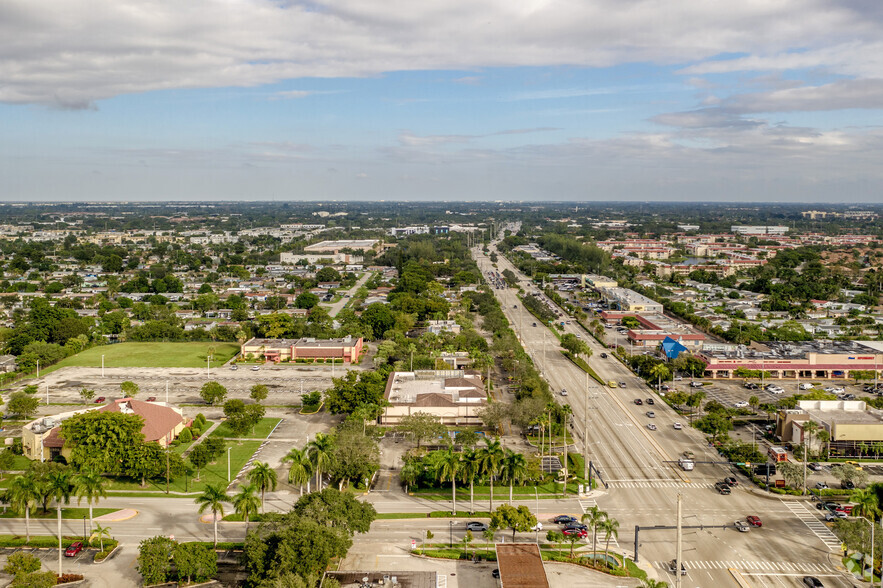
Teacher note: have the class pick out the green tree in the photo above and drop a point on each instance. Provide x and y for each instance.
(89, 484)
(100, 533)
(301, 468)
(213, 498)
(333, 508)
(87, 394)
(355, 456)
(421, 425)
(715, 424)
(196, 561)
(199, 457)
(22, 405)
(263, 477)
(611, 531)
(59, 485)
(865, 503)
(490, 457)
(319, 451)
(356, 389)
(129, 389)
(379, 318)
(469, 471)
(103, 440)
(661, 372)
(23, 495)
(213, 392)
(306, 300)
(259, 392)
(508, 517)
(792, 473)
(155, 559)
(573, 539)
(593, 518)
(246, 503)
(448, 470)
(21, 564)
(694, 400)
(513, 470)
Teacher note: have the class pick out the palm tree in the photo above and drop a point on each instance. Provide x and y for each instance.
(410, 473)
(213, 499)
(23, 496)
(470, 469)
(89, 484)
(246, 503)
(865, 502)
(319, 450)
(100, 533)
(59, 486)
(491, 456)
(263, 477)
(567, 412)
(611, 531)
(593, 518)
(810, 427)
(823, 437)
(513, 469)
(448, 470)
(693, 401)
(660, 371)
(862, 448)
(651, 583)
(301, 468)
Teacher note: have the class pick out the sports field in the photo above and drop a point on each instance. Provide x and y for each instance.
(151, 355)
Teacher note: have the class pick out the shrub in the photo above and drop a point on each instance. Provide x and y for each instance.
(185, 437)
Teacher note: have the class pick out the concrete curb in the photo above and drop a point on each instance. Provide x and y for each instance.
(109, 555)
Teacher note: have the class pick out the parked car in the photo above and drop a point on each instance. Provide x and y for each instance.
(741, 526)
(775, 389)
(741, 404)
(73, 549)
(827, 505)
(476, 526)
(678, 426)
(854, 464)
(255, 368)
(847, 485)
(821, 485)
(151, 399)
(564, 519)
(651, 414)
(805, 386)
(234, 368)
(496, 574)
(813, 582)
(834, 515)
(100, 399)
(695, 384)
(815, 467)
(638, 401)
(754, 521)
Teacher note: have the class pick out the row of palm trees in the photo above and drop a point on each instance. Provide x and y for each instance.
(599, 520)
(490, 462)
(246, 503)
(313, 460)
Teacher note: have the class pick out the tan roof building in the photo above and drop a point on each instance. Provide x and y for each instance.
(452, 395)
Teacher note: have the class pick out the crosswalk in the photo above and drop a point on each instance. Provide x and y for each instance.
(586, 505)
(815, 524)
(659, 484)
(773, 567)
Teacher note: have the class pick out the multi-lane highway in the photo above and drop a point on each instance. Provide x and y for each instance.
(640, 467)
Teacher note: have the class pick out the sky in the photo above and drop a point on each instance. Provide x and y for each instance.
(699, 100)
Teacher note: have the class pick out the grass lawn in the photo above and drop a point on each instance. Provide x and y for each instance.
(169, 355)
(261, 431)
(19, 464)
(501, 492)
(211, 474)
(66, 513)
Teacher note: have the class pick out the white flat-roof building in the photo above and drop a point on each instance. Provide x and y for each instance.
(453, 396)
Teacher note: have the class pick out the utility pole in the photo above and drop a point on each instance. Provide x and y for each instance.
(678, 563)
(102, 366)
(586, 435)
(804, 464)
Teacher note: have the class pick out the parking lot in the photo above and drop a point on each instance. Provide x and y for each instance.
(117, 571)
(729, 392)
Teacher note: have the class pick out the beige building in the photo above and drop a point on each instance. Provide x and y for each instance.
(162, 423)
(849, 423)
(454, 396)
(348, 349)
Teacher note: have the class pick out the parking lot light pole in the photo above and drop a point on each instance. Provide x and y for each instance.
(452, 533)
(228, 463)
(84, 528)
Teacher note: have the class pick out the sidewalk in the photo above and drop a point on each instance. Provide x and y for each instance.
(202, 438)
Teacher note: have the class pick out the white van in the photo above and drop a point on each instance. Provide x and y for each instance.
(686, 464)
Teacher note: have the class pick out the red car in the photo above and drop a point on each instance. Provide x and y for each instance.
(581, 533)
(151, 399)
(753, 521)
(100, 399)
(74, 548)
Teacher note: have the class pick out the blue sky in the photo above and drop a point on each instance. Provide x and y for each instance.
(442, 99)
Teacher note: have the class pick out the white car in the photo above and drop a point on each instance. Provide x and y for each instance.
(775, 390)
(742, 526)
(255, 369)
(838, 390)
(537, 527)
(805, 386)
(741, 404)
(563, 392)
(678, 378)
(651, 426)
(678, 426)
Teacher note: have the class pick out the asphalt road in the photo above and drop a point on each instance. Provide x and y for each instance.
(639, 466)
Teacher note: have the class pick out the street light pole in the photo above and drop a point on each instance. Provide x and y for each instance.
(586, 435)
(452, 533)
(102, 366)
(228, 463)
(678, 563)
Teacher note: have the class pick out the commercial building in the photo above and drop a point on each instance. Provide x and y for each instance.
(655, 328)
(628, 300)
(849, 424)
(337, 246)
(821, 359)
(758, 230)
(454, 396)
(386, 579)
(162, 423)
(316, 258)
(347, 349)
(404, 231)
(521, 565)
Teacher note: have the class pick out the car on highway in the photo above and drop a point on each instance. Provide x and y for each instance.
(650, 401)
(603, 356)
(622, 384)
(741, 526)
(100, 399)
(821, 485)
(564, 519)
(722, 487)
(537, 527)
(813, 582)
(754, 521)
(731, 481)
(673, 567)
(815, 467)
(576, 525)
(651, 426)
(741, 404)
(476, 526)
(651, 414)
(73, 549)
(639, 401)
(678, 426)
(612, 383)
(233, 368)
(563, 392)
(581, 533)
(534, 324)
(827, 505)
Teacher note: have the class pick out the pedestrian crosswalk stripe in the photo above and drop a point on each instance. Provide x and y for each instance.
(661, 485)
(753, 566)
(587, 505)
(815, 525)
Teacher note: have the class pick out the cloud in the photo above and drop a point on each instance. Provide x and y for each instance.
(89, 50)
(288, 94)
(409, 139)
(468, 80)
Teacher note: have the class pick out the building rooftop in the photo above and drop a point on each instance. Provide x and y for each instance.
(851, 412)
(795, 350)
(521, 565)
(375, 579)
(159, 419)
(433, 388)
